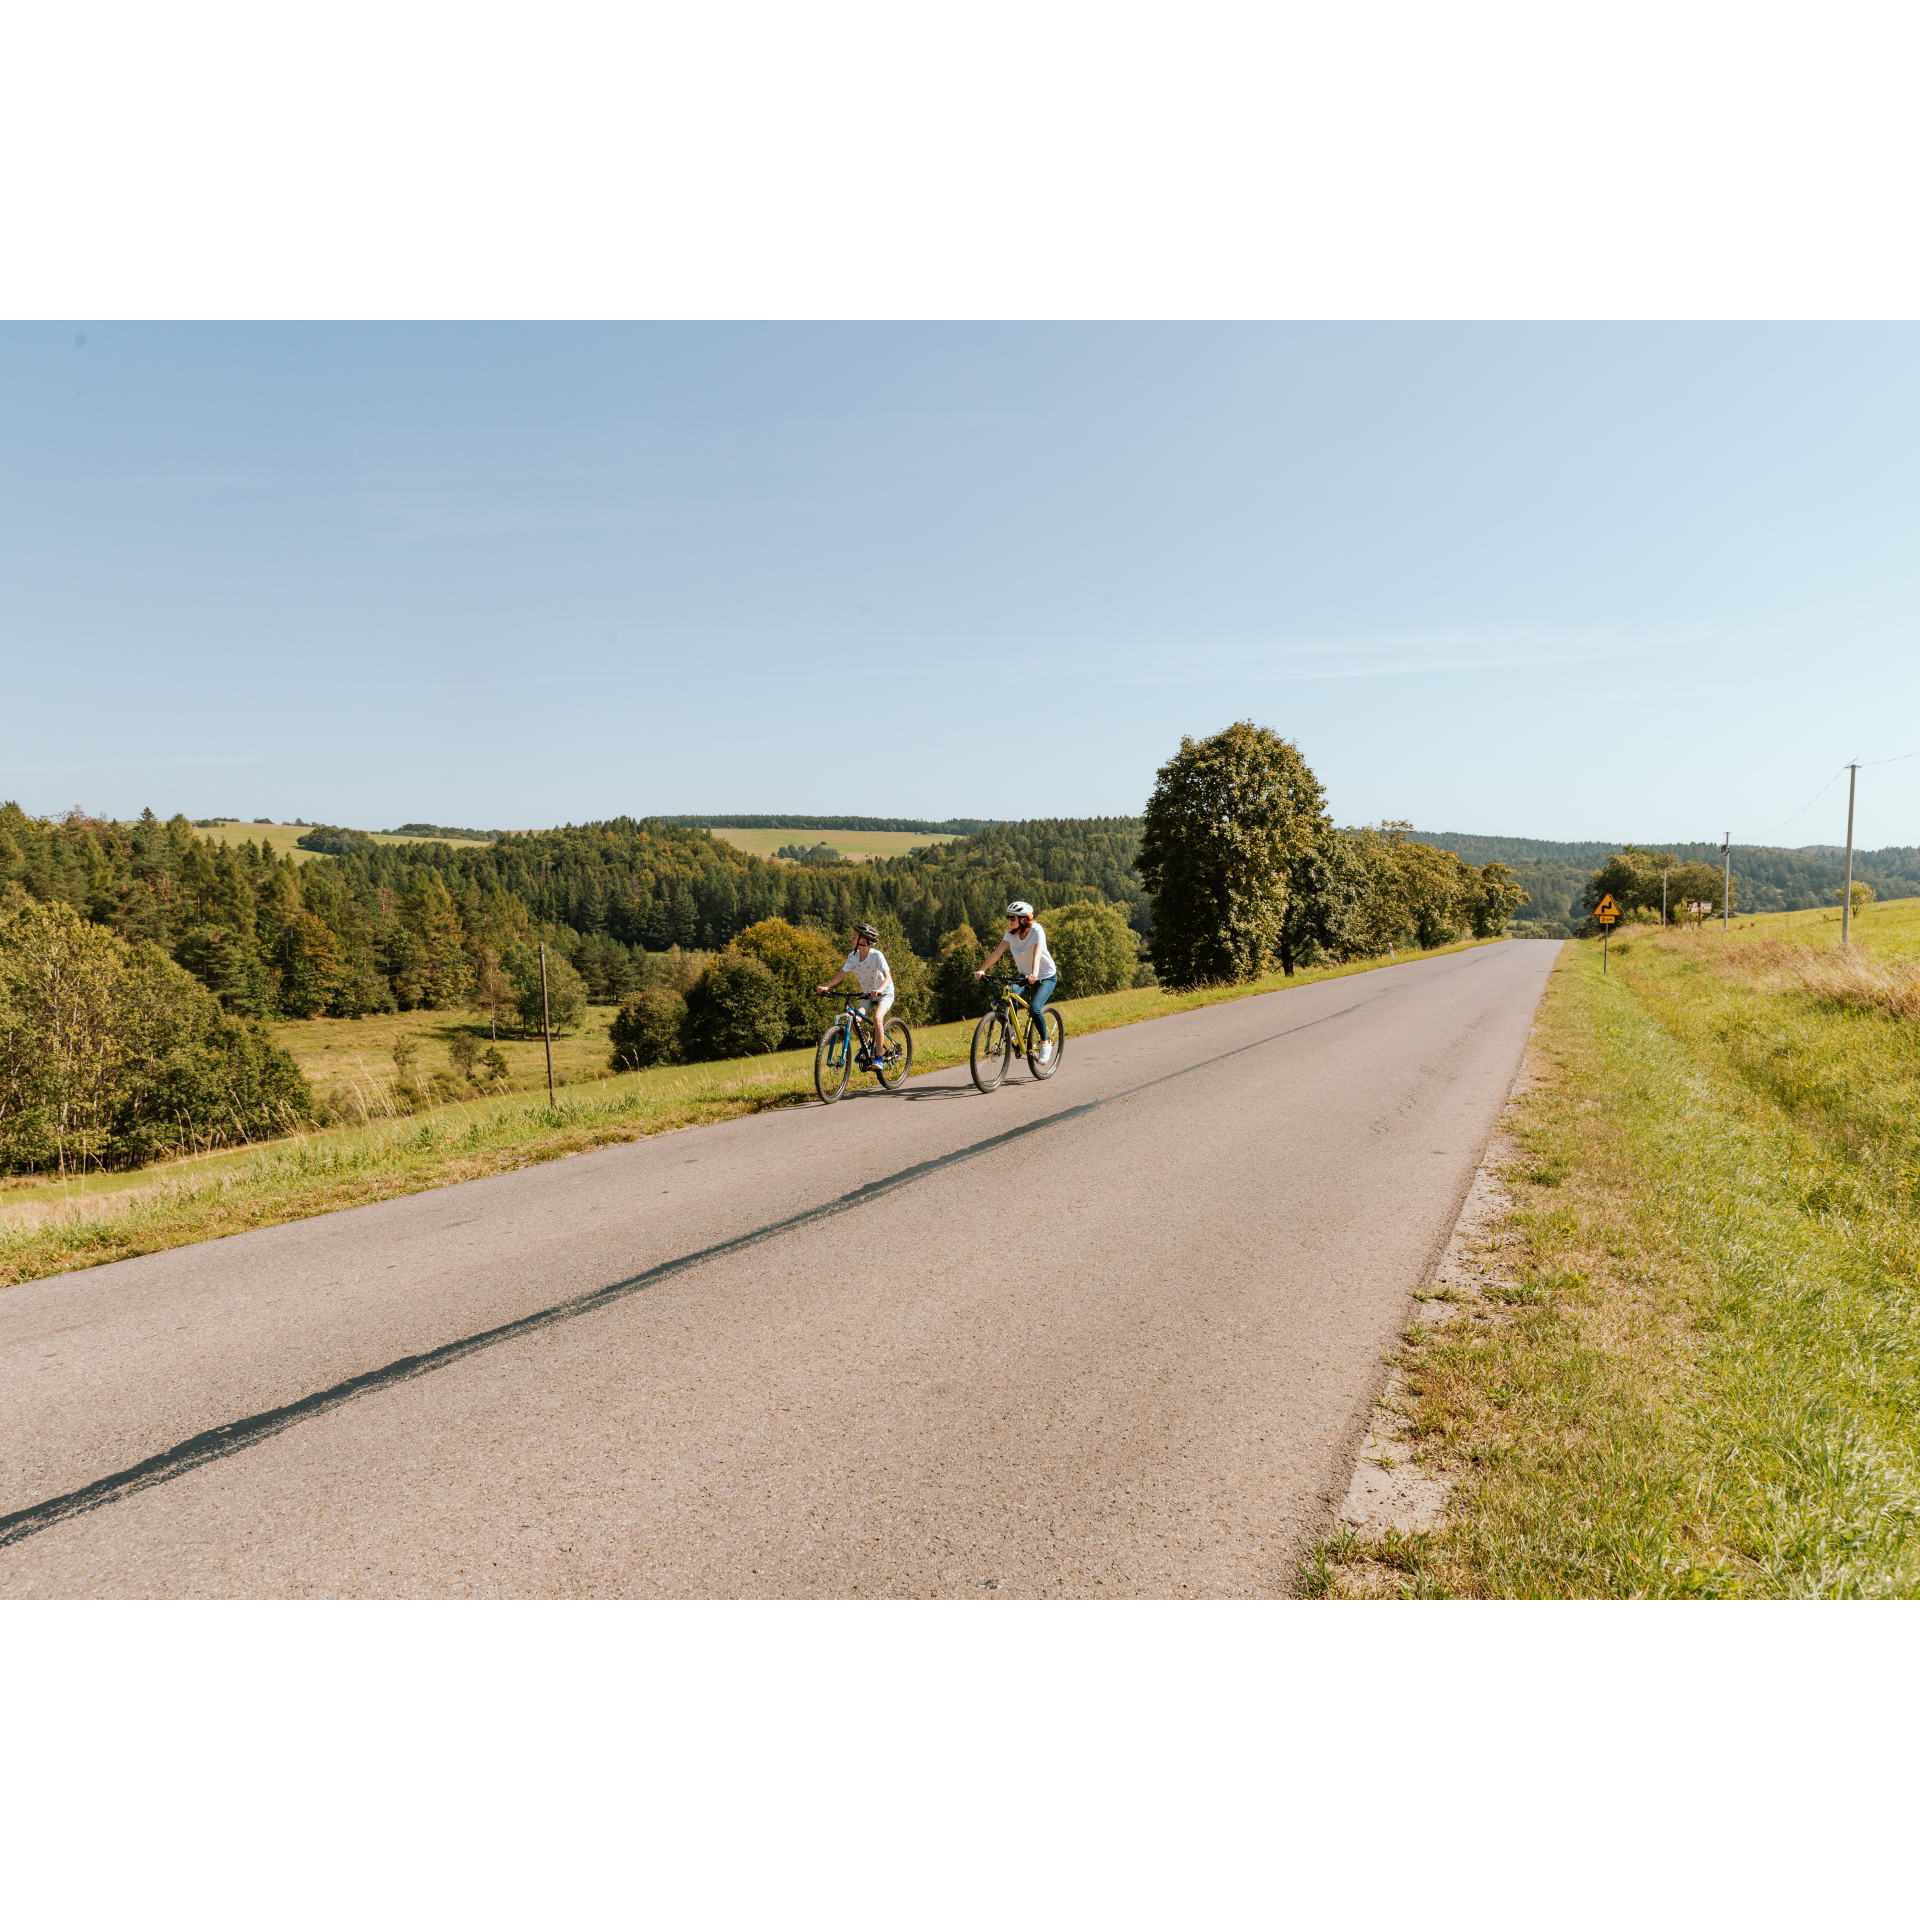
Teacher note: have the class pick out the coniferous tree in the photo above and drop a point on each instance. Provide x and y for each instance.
(437, 972)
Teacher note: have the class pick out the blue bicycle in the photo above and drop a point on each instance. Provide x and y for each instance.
(849, 1043)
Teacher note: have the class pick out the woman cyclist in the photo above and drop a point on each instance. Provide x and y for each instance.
(1026, 941)
(868, 965)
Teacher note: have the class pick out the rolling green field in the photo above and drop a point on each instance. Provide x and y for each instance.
(1698, 1372)
(281, 837)
(46, 1227)
(767, 841)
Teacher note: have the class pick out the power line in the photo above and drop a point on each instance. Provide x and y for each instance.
(1890, 760)
(1792, 817)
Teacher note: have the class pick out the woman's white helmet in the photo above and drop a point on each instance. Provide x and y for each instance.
(1019, 909)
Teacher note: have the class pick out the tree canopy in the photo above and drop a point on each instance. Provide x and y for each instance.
(1228, 818)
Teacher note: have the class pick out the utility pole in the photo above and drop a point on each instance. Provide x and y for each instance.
(546, 1021)
(1664, 871)
(1726, 886)
(1846, 890)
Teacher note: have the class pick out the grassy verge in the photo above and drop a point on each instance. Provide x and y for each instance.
(1698, 1369)
(45, 1232)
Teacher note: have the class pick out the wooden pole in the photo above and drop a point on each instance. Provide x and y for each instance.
(1846, 886)
(546, 1021)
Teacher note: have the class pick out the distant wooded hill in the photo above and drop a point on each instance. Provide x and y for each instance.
(1772, 879)
(824, 822)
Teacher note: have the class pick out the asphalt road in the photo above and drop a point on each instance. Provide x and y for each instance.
(1111, 1334)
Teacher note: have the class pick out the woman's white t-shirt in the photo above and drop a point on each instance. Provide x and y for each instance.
(872, 972)
(1030, 955)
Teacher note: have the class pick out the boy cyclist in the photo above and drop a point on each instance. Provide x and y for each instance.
(868, 965)
(1026, 941)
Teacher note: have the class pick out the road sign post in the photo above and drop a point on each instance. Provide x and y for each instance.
(1606, 913)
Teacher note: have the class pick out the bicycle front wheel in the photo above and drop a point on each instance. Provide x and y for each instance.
(896, 1059)
(1049, 1028)
(832, 1063)
(991, 1045)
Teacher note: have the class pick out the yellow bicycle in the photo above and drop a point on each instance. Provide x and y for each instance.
(1008, 1029)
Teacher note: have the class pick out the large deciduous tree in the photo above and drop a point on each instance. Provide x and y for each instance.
(59, 1040)
(1492, 906)
(110, 1053)
(1326, 901)
(1228, 817)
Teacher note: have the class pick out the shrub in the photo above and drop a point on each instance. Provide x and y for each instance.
(736, 1008)
(463, 1050)
(1094, 947)
(335, 840)
(799, 959)
(111, 1054)
(675, 970)
(649, 1030)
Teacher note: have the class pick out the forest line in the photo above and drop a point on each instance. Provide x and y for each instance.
(141, 962)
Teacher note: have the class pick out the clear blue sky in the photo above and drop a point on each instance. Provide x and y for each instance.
(1579, 582)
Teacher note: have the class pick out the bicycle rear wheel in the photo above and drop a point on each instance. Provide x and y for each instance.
(991, 1045)
(896, 1062)
(832, 1063)
(1049, 1027)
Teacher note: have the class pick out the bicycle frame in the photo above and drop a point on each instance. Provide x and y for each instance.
(852, 1025)
(1019, 1018)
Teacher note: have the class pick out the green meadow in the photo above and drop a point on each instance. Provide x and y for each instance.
(282, 837)
(767, 841)
(1699, 1369)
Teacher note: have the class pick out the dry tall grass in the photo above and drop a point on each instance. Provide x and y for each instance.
(1846, 976)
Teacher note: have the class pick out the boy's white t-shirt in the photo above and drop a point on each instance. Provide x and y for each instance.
(1030, 956)
(872, 972)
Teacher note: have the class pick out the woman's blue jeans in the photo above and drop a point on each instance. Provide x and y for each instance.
(1037, 998)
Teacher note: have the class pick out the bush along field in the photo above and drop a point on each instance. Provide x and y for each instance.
(1699, 1370)
(52, 1227)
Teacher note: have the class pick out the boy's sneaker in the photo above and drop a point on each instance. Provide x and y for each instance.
(1046, 1052)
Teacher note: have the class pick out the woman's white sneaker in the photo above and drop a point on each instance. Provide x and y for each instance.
(1046, 1052)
